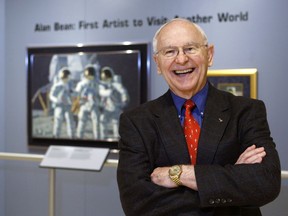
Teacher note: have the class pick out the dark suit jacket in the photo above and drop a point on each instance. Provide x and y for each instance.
(151, 136)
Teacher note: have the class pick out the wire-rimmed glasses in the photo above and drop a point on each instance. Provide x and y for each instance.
(173, 51)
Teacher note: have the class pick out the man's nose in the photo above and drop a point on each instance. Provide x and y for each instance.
(181, 58)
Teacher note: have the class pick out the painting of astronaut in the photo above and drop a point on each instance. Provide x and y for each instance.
(76, 94)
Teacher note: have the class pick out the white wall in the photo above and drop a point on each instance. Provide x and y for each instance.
(259, 42)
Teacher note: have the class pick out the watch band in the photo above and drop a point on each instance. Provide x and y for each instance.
(175, 173)
(176, 180)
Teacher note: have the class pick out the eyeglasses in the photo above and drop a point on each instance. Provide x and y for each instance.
(172, 52)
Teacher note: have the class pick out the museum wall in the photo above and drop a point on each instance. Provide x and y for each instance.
(2, 89)
(246, 34)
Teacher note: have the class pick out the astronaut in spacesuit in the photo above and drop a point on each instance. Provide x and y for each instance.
(60, 96)
(113, 98)
(87, 91)
(74, 61)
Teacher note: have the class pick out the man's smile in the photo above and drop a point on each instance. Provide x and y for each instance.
(186, 71)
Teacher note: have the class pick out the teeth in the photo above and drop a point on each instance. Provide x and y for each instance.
(183, 71)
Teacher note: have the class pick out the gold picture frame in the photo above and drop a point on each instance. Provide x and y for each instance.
(240, 82)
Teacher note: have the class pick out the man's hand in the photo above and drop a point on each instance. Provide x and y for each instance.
(252, 155)
(160, 176)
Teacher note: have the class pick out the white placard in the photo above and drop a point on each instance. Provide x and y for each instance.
(68, 157)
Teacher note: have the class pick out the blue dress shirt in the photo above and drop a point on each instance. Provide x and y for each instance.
(200, 101)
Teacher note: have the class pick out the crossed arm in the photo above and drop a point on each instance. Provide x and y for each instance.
(160, 175)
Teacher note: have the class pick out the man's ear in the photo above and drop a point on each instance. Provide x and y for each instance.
(210, 55)
(157, 64)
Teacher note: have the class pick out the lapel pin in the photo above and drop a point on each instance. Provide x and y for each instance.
(220, 120)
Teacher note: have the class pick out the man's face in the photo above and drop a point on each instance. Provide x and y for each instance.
(186, 74)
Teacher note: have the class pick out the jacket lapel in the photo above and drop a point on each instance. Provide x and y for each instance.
(170, 130)
(216, 117)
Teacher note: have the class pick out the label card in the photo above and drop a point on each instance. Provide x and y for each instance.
(81, 158)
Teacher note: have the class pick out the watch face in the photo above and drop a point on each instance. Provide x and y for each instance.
(174, 170)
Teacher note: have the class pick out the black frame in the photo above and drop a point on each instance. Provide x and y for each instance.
(131, 61)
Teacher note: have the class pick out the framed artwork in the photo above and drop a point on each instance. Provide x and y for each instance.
(240, 82)
(77, 93)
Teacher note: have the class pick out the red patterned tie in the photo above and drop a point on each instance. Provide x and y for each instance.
(191, 130)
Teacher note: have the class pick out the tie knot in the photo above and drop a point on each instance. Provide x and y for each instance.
(189, 104)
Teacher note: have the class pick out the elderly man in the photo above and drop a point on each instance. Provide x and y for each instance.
(195, 150)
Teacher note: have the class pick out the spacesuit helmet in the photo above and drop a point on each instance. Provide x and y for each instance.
(64, 74)
(89, 72)
(106, 74)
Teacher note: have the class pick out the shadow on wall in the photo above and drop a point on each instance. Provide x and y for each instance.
(279, 206)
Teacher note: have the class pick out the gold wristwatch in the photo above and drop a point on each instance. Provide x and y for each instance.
(175, 173)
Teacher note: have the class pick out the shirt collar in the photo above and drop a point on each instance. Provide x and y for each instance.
(199, 99)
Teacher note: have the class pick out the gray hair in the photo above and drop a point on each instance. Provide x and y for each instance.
(155, 38)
